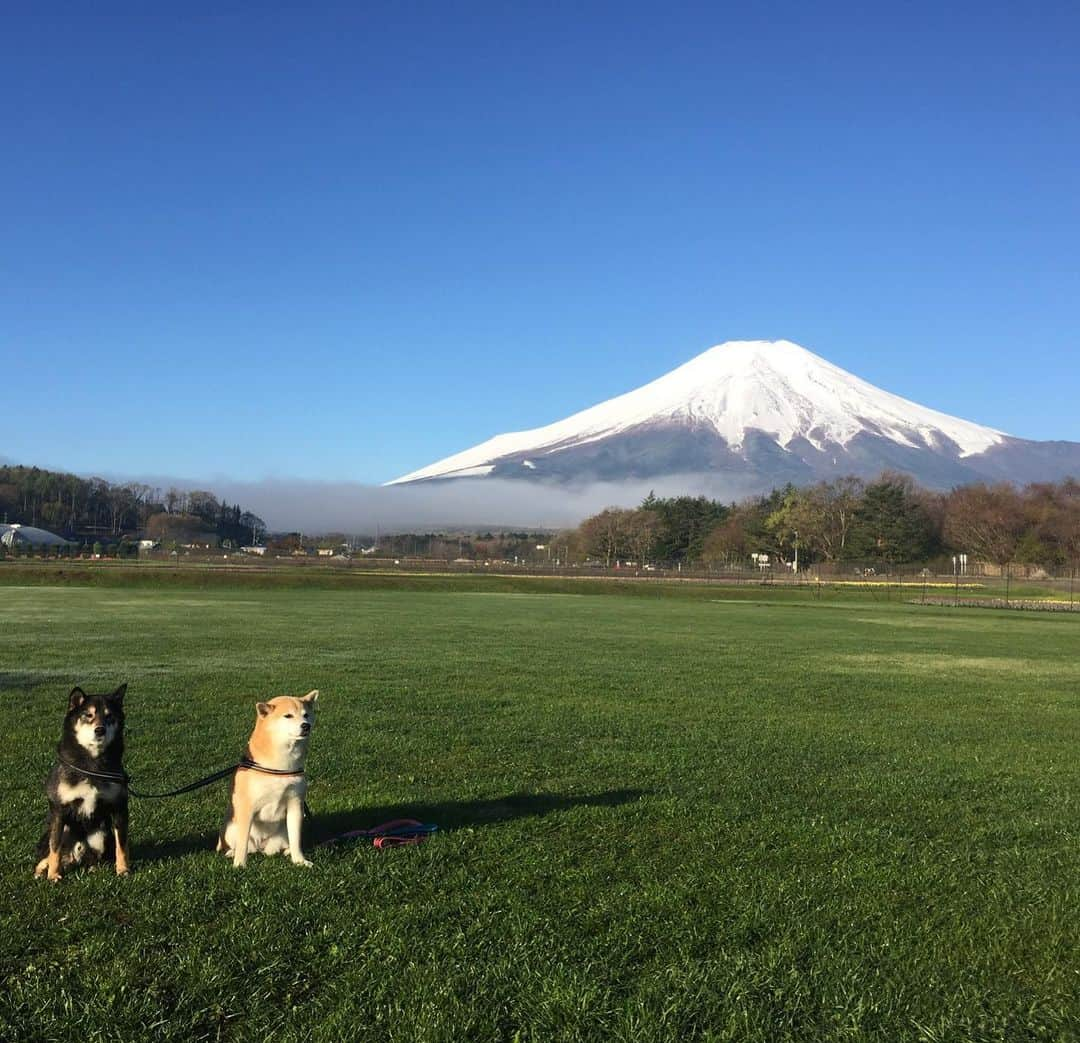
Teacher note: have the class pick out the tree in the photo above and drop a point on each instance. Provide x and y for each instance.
(836, 505)
(605, 535)
(1065, 523)
(986, 521)
(642, 531)
(783, 523)
(254, 527)
(760, 537)
(184, 528)
(823, 515)
(9, 495)
(204, 505)
(566, 546)
(683, 524)
(892, 523)
(728, 542)
(1051, 526)
(122, 504)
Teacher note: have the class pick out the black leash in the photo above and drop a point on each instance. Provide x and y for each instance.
(125, 780)
(197, 784)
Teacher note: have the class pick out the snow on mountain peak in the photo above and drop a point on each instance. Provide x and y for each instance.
(775, 387)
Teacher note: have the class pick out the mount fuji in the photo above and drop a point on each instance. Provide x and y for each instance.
(757, 414)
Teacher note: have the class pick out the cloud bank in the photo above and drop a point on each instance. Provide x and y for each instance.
(317, 506)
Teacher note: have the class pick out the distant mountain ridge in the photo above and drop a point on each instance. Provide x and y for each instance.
(760, 413)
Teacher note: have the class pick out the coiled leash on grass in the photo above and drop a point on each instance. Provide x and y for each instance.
(395, 833)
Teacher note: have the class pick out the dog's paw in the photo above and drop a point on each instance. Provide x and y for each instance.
(305, 862)
(55, 878)
(123, 872)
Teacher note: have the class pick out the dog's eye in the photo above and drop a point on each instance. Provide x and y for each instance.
(288, 715)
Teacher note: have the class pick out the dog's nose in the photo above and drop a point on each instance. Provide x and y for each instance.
(305, 728)
(99, 731)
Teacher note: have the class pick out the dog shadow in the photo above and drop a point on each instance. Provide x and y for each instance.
(462, 814)
(447, 815)
(23, 680)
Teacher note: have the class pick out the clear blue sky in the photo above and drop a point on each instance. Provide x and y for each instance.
(342, 244)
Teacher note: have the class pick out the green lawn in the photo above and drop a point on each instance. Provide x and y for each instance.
(723, 814)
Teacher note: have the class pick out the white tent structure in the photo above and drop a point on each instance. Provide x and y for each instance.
(28, 535)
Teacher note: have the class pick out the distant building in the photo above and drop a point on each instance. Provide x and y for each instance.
(204, 541)
(29, 536)
(260, 550)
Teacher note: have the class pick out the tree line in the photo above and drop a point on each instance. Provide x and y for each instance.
(889, 521)
(76, 507)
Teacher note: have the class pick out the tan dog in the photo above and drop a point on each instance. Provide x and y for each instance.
(266, 802)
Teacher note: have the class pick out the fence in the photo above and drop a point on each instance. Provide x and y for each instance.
(921, 583)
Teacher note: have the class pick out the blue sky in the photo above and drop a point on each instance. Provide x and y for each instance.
(342, 243)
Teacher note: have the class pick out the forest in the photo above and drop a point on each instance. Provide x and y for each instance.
(93, 508)
(889, 521)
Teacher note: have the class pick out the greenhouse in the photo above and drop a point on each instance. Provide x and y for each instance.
(29, 536)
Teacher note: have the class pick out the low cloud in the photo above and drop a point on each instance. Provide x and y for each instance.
(319, 506)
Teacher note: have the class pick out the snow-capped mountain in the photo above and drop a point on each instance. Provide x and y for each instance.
(762, 412)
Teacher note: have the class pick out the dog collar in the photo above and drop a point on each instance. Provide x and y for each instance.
(110, 776)
(250, 765)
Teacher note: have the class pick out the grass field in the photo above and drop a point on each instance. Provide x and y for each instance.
(723, 814)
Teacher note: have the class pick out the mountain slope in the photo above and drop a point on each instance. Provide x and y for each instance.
(763, 412)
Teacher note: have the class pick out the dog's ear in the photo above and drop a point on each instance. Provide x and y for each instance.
(76, 699)
(311, 696)
(118, 695)
(263, 709)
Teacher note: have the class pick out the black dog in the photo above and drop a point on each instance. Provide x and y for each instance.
(87, 788)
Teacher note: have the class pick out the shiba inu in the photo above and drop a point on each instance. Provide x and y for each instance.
(87, 788)
(266, 801)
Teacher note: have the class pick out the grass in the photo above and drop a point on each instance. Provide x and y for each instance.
(316, 575)
(691, 813)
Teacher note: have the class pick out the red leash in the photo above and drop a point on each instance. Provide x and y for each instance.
(397, 832)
